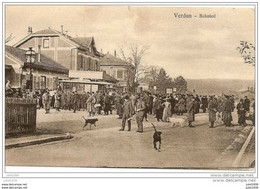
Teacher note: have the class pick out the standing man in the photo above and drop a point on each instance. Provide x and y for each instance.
(46, 100)
(127, 114)
(212, 108)
(74, 99)
(241, 112)
(140, 113)
(247, 104)
(190, 110)
(227, 109)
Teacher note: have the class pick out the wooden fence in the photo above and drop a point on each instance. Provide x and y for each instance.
(20, 115)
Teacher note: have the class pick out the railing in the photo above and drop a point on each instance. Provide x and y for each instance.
(20, 115)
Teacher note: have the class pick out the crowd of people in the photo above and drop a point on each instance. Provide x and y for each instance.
(162, 107)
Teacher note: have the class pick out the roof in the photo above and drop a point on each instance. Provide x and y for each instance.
(109, 78)
(109, 59)
(47, 31)
(45, 63)
(83, 41)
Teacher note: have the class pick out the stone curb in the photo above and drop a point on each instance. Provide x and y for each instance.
(39, 141)
(237, 144)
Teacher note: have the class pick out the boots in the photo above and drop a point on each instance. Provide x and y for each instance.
(212, 124)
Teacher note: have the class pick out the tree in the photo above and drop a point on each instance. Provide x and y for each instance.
(162, 82)
(136, 54)
(181, 84)
(247, 50)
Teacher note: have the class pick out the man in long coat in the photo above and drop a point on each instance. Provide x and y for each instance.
(212, 108)
(247, 104)
(127, 114)
(227, 109)
(241, 112)
(46, 100)
(140, 113)
(119, 106)
(182, 105)
(90, 104)
(190, 110)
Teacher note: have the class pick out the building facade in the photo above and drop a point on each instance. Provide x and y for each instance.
(45, 72)
(120, 70)
(78, 54)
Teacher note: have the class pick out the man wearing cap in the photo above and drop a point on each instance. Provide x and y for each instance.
(140, 113)
(128, 112)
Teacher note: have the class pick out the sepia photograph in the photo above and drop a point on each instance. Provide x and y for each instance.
(162, 87)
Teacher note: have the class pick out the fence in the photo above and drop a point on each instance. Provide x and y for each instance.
(20, 115)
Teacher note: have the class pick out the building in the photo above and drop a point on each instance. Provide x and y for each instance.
(46, 72)
(249, 92)
(120, 70)
(78, 54)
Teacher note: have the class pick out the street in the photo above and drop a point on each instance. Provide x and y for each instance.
(105, 146)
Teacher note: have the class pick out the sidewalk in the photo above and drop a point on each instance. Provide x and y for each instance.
(33, 140)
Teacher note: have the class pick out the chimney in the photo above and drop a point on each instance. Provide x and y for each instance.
(61, 29)
(29, 30)
(39, 53)
(107, 52)
(115, 53)
(101, 51)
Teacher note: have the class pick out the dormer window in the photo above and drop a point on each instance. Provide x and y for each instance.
(46, 43)
(89, 49)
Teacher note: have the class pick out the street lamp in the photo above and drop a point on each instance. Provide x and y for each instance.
(30, 57)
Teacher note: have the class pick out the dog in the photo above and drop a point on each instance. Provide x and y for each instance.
(89, 121)
(178, 121)
(156, 138)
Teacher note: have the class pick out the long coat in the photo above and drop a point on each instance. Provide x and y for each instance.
(190, 110)
(128, 109)
(46, 100)
(181, 105)
(119, 105)
(90, 103)
(57, 100)
(212, 108)
(227, 109)
(241, 112)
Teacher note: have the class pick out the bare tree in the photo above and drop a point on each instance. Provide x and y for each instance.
(134, 58)
(247, 50)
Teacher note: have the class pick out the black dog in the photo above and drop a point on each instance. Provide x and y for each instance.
(157, 138)
(90, 121)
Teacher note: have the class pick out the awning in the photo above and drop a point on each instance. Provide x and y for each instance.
(85, 82)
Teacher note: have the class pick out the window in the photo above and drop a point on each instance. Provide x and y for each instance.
(48, 83)
(45, 43)
(119, 74)
(34, 82)
(43, 82)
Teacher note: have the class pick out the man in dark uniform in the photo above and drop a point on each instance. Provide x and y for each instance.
(247, 104)
(241, 112)
(74, 100)
(227, 109)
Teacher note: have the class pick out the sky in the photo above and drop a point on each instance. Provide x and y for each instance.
(196, 48)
